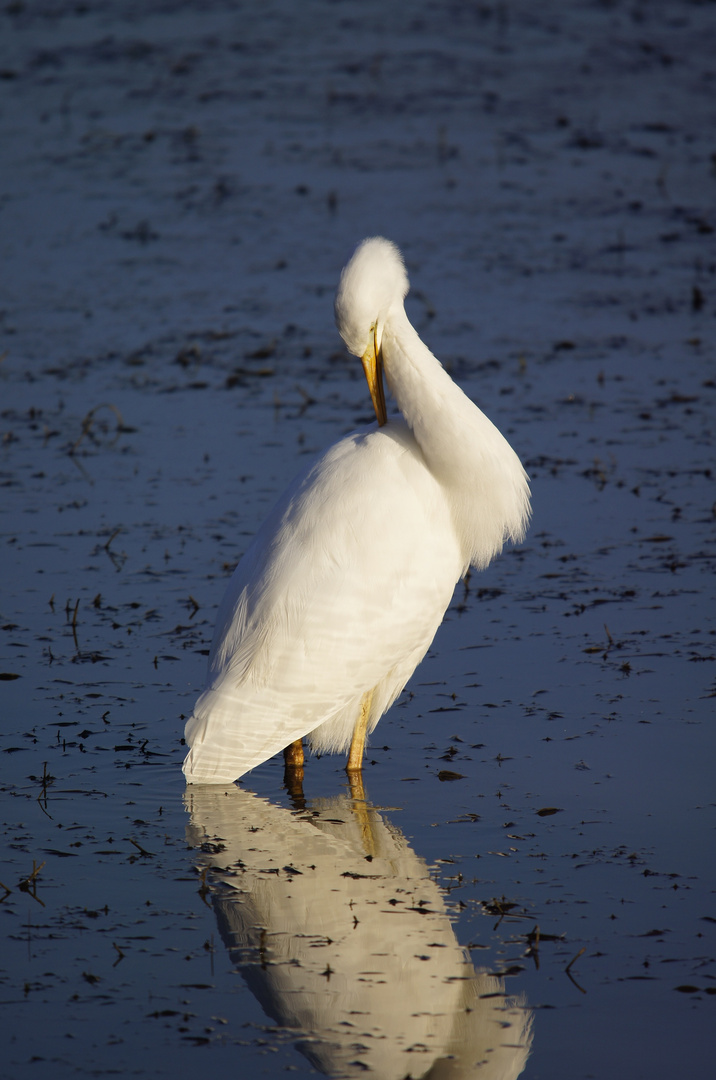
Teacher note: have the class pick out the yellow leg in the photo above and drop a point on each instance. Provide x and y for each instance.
(355, 756)
(293, 755)
(355, 781)
(365, 814)
(293, 773)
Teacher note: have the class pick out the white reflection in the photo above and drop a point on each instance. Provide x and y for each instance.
(342, 935)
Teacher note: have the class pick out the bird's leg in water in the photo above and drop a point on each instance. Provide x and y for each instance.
(293, 773)
(364, 814)
(355, 756)
(355, 781)
(293, 755)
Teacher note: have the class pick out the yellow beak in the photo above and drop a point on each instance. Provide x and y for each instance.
(372, 361)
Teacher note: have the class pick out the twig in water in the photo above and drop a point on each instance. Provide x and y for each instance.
(141, 850)
(45, 780)
(29, 884)
(569, 974)
(204, 888)
(89, 420)
(533, 949)
(115, 533)
(74, 625)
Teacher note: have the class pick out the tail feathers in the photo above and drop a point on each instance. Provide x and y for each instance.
(227, 738)
(217, 755)
(202, 767)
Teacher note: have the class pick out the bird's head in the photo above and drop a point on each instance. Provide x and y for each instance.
(371, 285)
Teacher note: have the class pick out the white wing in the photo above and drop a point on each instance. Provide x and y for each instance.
(341, 591)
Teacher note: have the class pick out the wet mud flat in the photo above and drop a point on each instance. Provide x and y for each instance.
(532, 850)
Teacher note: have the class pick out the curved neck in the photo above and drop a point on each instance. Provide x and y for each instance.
(475, 465)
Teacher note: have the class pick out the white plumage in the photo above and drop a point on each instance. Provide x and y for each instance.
(340, 593)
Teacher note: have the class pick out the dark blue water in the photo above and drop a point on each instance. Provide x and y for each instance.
(179, 189)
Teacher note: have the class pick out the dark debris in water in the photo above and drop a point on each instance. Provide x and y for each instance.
(179, 194)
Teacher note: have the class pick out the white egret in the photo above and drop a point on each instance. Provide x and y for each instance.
(340, 593)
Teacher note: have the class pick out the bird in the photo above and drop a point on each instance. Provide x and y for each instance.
(342, 590)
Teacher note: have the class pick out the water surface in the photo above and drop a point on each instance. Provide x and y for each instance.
(178, 193)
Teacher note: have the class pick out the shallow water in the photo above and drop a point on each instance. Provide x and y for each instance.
(179, 190)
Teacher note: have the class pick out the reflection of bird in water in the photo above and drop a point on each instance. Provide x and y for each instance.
(341, 592)
(342, 935)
